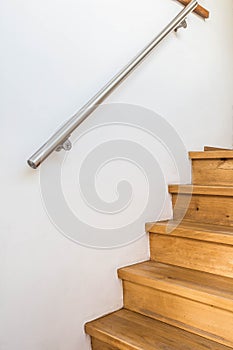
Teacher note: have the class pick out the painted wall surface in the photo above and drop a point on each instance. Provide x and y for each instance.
(54, 56)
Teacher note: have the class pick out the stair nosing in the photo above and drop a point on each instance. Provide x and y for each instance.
(202, 155)
(100, 330)
(225, 191)
(222, 235)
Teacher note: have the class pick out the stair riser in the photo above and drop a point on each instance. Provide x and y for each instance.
(212, 172)
(197, 255)
(99, 345)
(204, 208)
(209, 322)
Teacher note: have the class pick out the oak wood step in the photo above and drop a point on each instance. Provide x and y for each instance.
(126, 330)
(193, 254)
(204, 204)
(211, 148)
(198, 318)
(187, 299)
(193, 230)
(203, 287)
(226, 191)
(211, 154)
(99, 345)
(211, 172)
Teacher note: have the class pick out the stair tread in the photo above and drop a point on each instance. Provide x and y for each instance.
(196, 285)
(128, 330)
(193, 230)
(211, 154)
(204, 190)
(211, 148)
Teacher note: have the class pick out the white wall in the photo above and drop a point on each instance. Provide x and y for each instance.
(54, 56)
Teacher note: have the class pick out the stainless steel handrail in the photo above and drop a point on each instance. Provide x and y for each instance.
(60, 140)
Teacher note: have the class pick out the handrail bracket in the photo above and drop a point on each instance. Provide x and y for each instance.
(66, 146)
(182, 24)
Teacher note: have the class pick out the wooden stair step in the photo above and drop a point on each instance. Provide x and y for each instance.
(212, 168)
(193, 230)
(204, 204)
(126, 330)
(160, 292)
(199, 286)
(225, 191)
(211, 154)
(180, 249)
(192, 254)
(99, 345)
(211, 148)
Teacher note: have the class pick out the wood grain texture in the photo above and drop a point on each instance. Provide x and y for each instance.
(201, 11)
(209, 209)
(211, 154)
(203, 287)
(197, 255)
(204, 320)
(99, 345)
(126, 330)
(193, 230)
(202, 189)
(212, 171)
(210, 148)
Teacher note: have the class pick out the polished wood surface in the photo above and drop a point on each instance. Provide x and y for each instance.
(212, 171)
(199, 318)
(211, 154)
(199, 189)
(210, 148)
(126, 330)
(192, 254)
(209, 209)
(99, 345)
(193, 230)
(191, 284)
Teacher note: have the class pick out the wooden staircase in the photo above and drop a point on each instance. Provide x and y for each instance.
(182, 299)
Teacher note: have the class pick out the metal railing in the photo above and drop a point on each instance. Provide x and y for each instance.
(60, 140)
